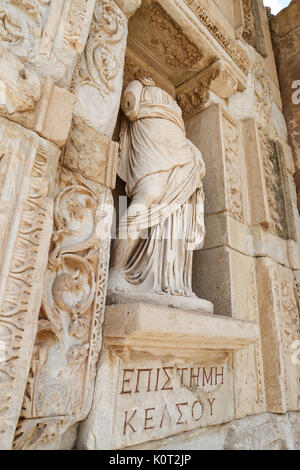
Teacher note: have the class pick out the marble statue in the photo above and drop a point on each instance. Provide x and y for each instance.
(164, 222)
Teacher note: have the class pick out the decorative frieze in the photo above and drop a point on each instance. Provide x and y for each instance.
(68, 340)
(253, 32)
(28, 164)
(98, 78)
(238, 55)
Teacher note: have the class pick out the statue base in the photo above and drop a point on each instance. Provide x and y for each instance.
(163, 371)
(164, 300)
(121, 292)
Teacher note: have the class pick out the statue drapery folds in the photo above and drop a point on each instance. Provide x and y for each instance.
(164, 222)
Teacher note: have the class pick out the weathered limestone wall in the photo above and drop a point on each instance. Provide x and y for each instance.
(286, 40)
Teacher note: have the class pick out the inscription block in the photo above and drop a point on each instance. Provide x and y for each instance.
(156, 399)
(162, 372)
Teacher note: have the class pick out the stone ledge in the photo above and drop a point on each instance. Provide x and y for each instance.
(146, 327)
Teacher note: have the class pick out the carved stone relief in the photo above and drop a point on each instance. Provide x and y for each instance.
(233, 170)
(253, 32)
(34, 102)
(98, 77)
(68, 341)
(70, 323)
(47, 33)
(275, 187)
(280, 327)
(238, 55)
(170, 52)
(193, 95)
(193, 99)
(27, 165)
(178, 50)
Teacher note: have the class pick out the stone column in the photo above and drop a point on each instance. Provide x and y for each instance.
(61, 380)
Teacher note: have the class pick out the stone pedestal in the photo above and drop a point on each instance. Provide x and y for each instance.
(162, 371)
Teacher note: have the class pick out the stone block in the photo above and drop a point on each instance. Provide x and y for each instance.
(280, 331)
(218, 137)
(226, 278)
(223, 230)
(162, 372)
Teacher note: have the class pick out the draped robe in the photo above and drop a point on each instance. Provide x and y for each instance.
(156, 157)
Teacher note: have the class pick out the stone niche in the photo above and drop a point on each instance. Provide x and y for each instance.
(164, 371)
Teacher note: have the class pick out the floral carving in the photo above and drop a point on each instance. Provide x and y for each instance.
(100, 64)
(239, 56)
(77, 24)
(193, 100)
(69, 334)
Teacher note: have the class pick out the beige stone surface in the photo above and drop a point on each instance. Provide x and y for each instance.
(60, 382)
(285, 34)
(257, 188)
(224, 230)
(33, 102)
(182, 399)
(279, 323)
(98, 79)
(230, 284)
(263, 432)
(142, 322)
(171, 372)
(28, 165)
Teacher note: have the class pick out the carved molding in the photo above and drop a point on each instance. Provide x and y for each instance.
(192, 98)
(238, 55)
(27, 167)
(193, 95)
(47, 34)
(68, 341)
(98, 78)
(253, 32)
(280, 327)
